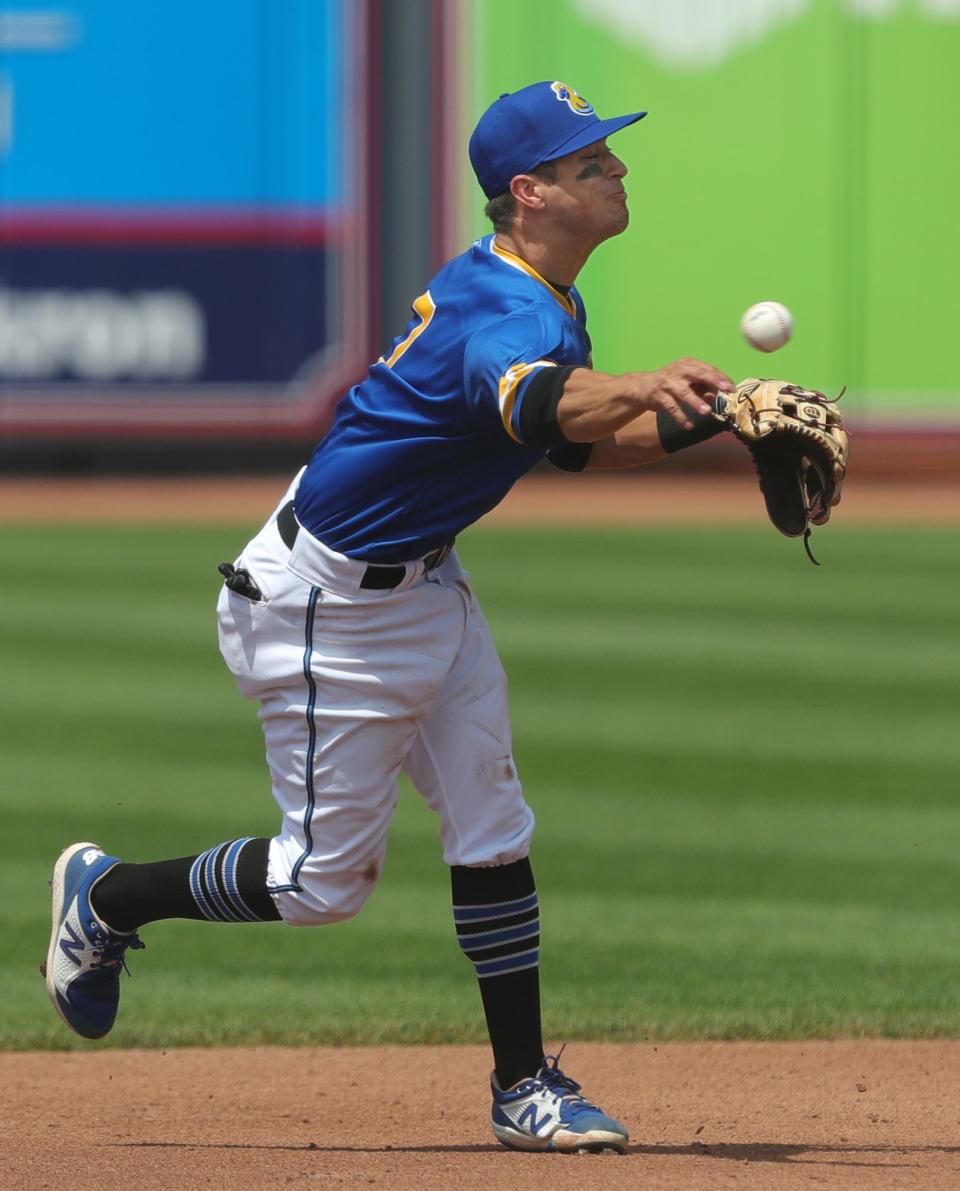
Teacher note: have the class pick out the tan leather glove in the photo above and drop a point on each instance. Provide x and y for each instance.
(799, 447)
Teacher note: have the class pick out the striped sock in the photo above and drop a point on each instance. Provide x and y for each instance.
(227, 883)
(497, 915)
(500, 937)
(213, 883)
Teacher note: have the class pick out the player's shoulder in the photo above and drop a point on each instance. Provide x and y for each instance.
(500, 304)
(476, 292)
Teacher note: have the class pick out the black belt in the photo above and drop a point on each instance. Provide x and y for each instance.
(375, 577)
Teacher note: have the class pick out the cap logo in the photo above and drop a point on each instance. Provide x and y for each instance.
(576, 103)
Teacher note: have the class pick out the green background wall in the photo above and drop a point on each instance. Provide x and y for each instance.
(812, 160)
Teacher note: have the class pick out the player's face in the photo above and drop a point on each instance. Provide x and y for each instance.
(588, 195)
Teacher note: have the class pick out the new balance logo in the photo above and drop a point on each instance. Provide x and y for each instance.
(74, 944)
(90, 856)
(533, 1124)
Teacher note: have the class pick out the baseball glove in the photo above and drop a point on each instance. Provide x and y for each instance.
(799, 447)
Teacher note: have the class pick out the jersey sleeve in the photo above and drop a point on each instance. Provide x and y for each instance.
(502, 358)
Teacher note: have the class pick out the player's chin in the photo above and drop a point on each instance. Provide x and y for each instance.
(620, 218)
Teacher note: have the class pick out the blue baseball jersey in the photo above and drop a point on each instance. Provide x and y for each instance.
(431, 439)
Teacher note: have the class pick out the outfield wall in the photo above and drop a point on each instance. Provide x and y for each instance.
(213, 217)
(209, 213)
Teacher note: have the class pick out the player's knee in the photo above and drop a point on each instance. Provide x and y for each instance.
(326, 898)
(489, 844)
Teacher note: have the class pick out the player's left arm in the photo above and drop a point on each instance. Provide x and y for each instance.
(650, 437)
(646, 438)
(632, 445)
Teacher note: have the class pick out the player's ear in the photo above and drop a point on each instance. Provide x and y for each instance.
(528, 191)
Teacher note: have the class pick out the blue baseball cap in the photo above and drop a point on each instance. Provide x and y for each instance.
(523, 128)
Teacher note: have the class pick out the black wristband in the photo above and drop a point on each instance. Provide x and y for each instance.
(674, 437)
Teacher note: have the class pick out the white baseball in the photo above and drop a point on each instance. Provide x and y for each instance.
(767, 326)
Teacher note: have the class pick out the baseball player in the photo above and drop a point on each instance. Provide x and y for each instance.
(350, 619)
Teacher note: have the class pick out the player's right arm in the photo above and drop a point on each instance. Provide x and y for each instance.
(595, 405)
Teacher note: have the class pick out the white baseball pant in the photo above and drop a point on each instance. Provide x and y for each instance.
(354, 686)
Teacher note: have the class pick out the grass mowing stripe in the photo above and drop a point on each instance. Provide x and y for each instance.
(628, 637)
(745, 771)
(707, 726)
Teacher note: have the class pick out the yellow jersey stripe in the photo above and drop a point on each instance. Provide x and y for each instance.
(509, 384)
(519, 263)
(425, 308)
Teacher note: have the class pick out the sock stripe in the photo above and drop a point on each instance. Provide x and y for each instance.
(222, 910)
(494, 910)
(213, 883)
(465, 929)
(500, 937)
(230, 888)
(510, 963)
(493, 938)
(196, 889)
(504, 949)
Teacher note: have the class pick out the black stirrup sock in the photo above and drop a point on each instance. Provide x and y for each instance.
(227, 883)
(497, 915)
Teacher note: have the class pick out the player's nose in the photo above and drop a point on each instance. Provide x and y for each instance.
(618, 168)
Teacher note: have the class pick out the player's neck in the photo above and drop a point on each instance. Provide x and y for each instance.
(558, 263)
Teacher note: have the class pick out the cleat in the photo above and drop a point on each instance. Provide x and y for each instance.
(547, 1112)
(85, 957)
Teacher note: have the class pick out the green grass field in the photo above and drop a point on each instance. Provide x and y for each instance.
(745, 771)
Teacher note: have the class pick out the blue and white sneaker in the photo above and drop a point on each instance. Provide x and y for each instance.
(547, 1112)
(85, 957)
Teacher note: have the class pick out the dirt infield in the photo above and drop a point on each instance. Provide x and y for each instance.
(641, 498)
(749, 1116)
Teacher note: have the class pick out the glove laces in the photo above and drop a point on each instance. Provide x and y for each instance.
(806, 546)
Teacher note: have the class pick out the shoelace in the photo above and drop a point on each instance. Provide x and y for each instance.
(111, 954)
(562, 1087)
